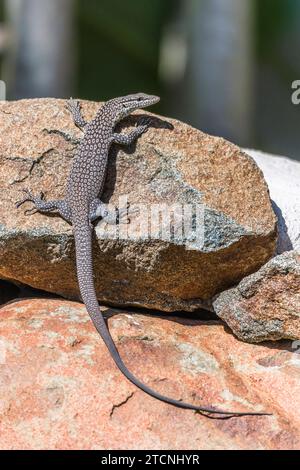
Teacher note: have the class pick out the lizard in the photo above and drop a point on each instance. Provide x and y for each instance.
(82, 206)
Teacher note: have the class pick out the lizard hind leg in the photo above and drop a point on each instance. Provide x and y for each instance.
(111, 215)
(40, 205)
(99, 210)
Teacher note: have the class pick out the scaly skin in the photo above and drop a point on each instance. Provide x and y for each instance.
(82, 206)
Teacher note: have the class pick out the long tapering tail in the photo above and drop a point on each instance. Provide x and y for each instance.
(83, 243)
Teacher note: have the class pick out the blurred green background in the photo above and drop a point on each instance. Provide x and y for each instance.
(224, 66)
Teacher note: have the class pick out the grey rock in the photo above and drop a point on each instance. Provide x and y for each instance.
(265, 305)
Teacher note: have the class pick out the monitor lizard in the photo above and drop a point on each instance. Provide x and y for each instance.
(82, 206)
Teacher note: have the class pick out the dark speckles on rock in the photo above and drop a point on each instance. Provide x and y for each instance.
(265, 305)
(220, 231)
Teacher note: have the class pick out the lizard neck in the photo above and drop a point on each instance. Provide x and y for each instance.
(106, 118)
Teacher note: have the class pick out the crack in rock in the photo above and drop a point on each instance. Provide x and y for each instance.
(31, 163)
(121, 404)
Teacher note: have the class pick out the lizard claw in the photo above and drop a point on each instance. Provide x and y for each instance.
(144, 124)
(145, 121)
(118, 216)
(29, 197)
(123, 216)
(125, 213)
(30, 211)
(73, 105)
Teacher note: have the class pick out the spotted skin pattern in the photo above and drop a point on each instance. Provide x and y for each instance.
(82, 206)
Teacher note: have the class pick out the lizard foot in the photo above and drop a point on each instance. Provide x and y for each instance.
(119, 216)
(125, 213)
(143, 124)
(73, 106)
(29, 197)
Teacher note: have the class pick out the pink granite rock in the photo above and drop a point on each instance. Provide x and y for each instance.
(60, 389)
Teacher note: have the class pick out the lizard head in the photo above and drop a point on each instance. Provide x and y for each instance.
(122, 107)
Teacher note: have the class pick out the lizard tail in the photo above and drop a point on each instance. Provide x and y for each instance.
(83, 242)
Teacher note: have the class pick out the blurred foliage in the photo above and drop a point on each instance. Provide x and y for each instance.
(277, 37)
(2, 19)
(119, 46)
(274, 20)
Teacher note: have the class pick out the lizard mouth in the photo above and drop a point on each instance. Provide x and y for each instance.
(151, 100)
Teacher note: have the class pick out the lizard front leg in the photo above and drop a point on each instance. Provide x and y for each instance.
(75, 109)
(40, 205)
(128, 139)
